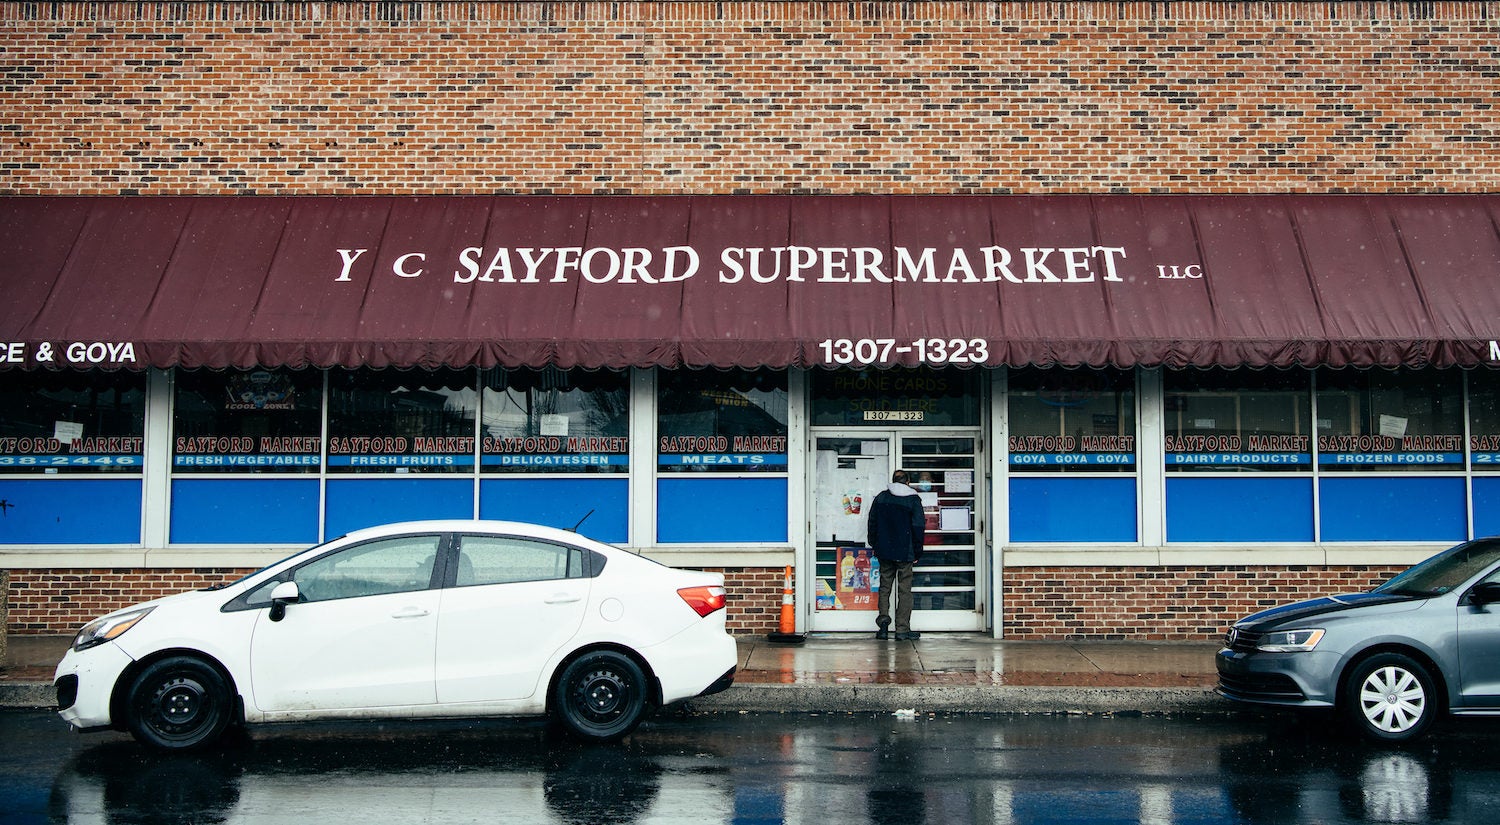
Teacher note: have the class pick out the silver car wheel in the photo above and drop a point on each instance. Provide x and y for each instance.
(1392, 699)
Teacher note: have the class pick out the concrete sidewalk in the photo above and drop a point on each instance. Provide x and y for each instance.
(854, 672)
(971, 672)
(26, 673)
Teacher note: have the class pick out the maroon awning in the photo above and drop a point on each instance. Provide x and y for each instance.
(1122, 280)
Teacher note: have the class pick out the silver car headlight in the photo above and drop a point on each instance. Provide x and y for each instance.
(1291, 641)
(107, 629)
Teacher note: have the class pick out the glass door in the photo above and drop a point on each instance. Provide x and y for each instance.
(945, 588)
(849, 470)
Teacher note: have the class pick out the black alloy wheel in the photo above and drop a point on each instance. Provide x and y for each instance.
(179, 703)
(600, 696)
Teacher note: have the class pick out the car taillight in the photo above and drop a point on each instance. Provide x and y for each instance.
(703, 600)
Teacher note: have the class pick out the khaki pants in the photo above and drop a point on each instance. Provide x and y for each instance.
(895, 578)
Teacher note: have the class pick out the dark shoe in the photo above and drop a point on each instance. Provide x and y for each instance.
(882, 635)
(908, 636)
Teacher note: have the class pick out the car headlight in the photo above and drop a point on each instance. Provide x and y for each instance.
(1291, 641)
(109, 628)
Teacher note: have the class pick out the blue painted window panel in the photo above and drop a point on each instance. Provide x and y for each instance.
(562, 503)
(1393, 509)
(697, 509)
(357, 503)
(1239, 509)
(85, 511)
(1073, 509)
(1096, 807)
(1486, 506)
(244, 511)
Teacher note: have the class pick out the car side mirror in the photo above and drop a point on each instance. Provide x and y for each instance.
(282, 595)
(1485, 593)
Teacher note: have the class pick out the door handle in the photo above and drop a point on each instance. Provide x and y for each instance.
(562, 598)
(409, 613)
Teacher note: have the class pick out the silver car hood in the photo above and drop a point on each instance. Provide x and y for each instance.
(1297, 611)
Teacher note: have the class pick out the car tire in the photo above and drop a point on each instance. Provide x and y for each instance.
(179, 703)
(601, 696)
(1390, 697)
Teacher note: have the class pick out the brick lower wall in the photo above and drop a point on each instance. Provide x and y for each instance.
(1167, 603)
(754, 599)
(47, 602)
(61, 601)
(1040, 604)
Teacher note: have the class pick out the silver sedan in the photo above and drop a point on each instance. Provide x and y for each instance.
(1389, 661)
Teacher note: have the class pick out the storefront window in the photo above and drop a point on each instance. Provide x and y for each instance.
(897, 396)
(1383, 420)
(401, 421)
(1484, 421)
(255, 421)
(1238, 420)
(1072, 420)
(72, 422)
(731, 421)
(556, 421)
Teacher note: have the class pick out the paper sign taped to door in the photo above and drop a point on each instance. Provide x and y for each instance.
(953, 518)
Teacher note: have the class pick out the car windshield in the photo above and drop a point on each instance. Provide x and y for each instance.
(1446, 570)
(251, 575)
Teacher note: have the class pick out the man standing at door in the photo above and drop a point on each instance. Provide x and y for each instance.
(897, 528)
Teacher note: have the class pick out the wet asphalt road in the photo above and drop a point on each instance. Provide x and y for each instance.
(767, 768)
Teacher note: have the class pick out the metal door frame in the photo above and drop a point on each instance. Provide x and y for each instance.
(923, 620)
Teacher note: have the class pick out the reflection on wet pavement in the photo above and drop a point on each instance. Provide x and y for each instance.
(774, 768)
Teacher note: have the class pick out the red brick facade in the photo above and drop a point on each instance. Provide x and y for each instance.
(61, 601)
(157, 98)
(782, 97)
(754, 599)
(1102, 603)
(1165, 603)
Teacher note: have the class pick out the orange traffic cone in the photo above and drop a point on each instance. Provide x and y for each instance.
(787, 632)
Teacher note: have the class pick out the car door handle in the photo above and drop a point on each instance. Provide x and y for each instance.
(562, 598)
(409, 613)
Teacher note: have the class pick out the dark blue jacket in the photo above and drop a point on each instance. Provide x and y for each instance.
(897, 525)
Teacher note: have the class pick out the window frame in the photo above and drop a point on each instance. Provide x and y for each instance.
(590, 562)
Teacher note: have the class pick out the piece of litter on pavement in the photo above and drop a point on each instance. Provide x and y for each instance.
(905, 713)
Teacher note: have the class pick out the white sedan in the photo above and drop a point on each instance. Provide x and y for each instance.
(412, 620)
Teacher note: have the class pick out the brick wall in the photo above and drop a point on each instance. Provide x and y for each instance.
(754, 599)
(116, 98)
(1077, 603)
(45, 602)
(61, 601)
(1167, 603)
(783, 97)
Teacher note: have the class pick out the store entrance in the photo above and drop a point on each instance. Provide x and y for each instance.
(848, 470)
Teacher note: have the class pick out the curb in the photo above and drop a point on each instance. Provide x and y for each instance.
(962, 698)
(872, 698)
(28, 695)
